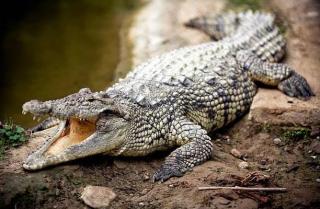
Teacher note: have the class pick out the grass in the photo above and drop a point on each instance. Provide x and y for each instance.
(246, 4)
(296, 133)
(11, 135)
(286, 133)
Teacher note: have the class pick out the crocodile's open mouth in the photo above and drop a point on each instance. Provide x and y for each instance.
(74, 132)
(68, 133)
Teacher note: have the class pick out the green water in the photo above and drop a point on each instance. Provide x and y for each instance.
(56, 48)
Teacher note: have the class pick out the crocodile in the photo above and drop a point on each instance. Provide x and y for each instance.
(172, 101)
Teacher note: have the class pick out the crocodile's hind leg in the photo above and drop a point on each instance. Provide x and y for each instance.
(274, 74)
(196, 147)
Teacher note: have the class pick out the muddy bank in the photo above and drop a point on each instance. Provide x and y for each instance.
(291, 161)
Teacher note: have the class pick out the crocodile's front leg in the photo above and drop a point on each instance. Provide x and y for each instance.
(196, 147)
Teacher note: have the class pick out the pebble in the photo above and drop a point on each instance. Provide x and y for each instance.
(243, 165)
(141, 204)
(120, 164)
(263, 162)
(318, 180)
(315, 146)
(97, 196)
(145, 191)
(146, 177)
(236, 153)
(277, 141)
(224, 201)
(292, 167)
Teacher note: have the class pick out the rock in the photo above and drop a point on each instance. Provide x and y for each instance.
(292, 167)
(243, 165)
(120, 164)
(277, 141)
(315, 146)
(315, 131)
(318, 180)
(146, 177)
(141, 204)
(170, 185)
(247, 203)
(313, 157)
(223, 201)
(263, 162)
(97, 196)
(236, 153)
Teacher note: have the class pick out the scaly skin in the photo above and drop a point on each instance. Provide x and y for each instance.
(175, 99)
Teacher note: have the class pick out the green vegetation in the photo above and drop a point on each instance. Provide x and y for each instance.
(296, 133)
(286, 133)
(11, 136)
(246, 4)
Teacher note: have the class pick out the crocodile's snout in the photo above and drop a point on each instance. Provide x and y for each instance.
(36, 107)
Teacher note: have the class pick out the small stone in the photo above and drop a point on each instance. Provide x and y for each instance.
(315, 146)
(141, 204)
(277, 141)
(97, 196)
(57, 192)
(224, 201)
(243, 165)
(313, 157)
(120, 164)
(263, 162)
(146, 177)
(145, 191)
(318, 180)
(171, 185)
(315, 131)
(292, 167)
(236, 153)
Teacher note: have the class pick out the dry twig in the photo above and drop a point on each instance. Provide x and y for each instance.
(266, 189)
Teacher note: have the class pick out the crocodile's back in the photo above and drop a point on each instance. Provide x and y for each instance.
(205, 81)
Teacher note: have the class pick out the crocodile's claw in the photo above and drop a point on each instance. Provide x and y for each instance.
(167, 171)
(296, 86)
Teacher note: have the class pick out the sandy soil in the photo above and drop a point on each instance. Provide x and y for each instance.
(294, 164)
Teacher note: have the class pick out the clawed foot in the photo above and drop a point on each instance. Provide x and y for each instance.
(167, 171)
(296, 86)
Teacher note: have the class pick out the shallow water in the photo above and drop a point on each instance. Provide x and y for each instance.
(50, 49)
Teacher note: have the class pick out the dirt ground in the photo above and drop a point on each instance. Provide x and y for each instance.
(293, 163)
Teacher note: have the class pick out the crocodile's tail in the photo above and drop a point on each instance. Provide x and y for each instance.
(252, 30)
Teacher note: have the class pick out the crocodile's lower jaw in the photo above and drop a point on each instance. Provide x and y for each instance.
(75, 132)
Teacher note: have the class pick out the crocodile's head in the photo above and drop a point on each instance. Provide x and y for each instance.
(90, 123)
